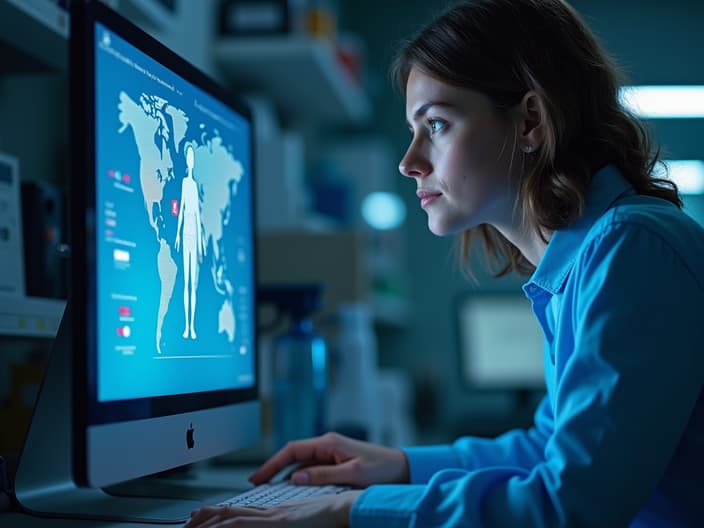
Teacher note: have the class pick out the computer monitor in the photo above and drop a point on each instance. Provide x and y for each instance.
(159, 336)
(501, 343)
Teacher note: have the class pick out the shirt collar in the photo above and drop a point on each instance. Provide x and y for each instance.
(607, 185)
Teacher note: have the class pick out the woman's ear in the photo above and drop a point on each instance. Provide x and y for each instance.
(531, 122)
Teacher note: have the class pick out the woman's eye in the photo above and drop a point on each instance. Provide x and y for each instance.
(434, 126)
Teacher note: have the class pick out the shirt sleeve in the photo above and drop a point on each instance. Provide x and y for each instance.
(623, 399)
(520, 448)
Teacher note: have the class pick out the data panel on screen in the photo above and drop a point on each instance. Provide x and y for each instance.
(173, 183)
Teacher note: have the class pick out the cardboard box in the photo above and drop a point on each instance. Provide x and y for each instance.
(334, 259)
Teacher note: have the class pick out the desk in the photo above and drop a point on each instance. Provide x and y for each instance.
(207, 483)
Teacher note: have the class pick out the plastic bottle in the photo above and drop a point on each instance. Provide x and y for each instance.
(354, 396)
(298, 367)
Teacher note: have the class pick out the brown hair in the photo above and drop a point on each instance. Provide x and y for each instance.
(505, 48)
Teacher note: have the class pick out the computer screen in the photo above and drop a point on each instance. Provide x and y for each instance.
(501, 343)
(174, 247)
(162, 301)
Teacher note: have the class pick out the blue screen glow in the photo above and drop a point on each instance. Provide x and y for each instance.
(173, 232)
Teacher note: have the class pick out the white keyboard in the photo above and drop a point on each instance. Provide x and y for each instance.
(268, 495)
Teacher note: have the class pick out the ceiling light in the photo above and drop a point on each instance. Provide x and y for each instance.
(664, 102)
(687, 174)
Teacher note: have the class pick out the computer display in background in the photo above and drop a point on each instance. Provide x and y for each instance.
(160, 332)
(501, 343)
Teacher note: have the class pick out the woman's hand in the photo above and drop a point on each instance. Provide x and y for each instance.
(325, 511)
(336, 459)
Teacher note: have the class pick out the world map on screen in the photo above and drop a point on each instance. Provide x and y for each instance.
(159, 129)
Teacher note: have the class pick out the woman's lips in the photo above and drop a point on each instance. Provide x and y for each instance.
(427, 197)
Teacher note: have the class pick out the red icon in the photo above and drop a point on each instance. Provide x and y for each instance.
(123, 331)
(174, 207)
(111, 173)
(124, 311)
(126, 178)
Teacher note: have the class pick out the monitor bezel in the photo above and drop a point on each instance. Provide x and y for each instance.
(88, 411)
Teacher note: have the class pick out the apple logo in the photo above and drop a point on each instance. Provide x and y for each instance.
(189, 437)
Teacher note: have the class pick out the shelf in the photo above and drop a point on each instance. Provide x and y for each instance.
(150, 13)
(30, 316)
(33, 37)
(300, 74)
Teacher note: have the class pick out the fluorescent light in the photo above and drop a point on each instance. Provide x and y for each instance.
(383, 210)
(687, 174)
(663, 102)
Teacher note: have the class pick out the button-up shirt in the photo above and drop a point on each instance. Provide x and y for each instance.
(618, 439)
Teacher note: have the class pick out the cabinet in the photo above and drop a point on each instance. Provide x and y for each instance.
(33, 127)
(33, 37)
(300, 74)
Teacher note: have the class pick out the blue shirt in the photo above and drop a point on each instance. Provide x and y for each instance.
(619, 438)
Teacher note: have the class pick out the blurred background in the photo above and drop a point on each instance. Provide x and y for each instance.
(419, 354)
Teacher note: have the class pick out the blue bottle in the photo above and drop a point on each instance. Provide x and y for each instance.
(298, 366)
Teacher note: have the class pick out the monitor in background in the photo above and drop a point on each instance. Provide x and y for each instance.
(159, 334)
(500, 343)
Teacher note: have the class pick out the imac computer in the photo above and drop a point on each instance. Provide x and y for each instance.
(155, 364)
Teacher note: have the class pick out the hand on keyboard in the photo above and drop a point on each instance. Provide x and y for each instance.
(336, 459)
(278, 505)
(327, 459)
(267, 495)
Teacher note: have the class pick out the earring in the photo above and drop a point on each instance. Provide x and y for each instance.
(528, 149)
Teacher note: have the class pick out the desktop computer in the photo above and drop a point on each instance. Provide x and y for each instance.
(155, 363)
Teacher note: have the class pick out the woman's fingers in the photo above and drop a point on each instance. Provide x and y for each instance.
(205, 515)
(345, 473)
(312, 450)
(212, 516)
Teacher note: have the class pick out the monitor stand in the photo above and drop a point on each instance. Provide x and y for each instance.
(44, 483)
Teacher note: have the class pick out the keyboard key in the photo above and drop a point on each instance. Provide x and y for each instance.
(269, 495)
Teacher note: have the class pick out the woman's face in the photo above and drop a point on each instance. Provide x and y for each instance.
(461, 156)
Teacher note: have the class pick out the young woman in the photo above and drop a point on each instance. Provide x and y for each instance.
(518, 139)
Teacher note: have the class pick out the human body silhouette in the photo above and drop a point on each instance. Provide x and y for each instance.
(193, 247)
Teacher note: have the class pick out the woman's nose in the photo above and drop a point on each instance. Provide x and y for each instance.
(413, 164)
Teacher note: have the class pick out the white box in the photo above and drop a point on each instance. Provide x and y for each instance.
(280, 192)
(11, 242)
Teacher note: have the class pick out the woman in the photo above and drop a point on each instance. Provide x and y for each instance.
(518, 140)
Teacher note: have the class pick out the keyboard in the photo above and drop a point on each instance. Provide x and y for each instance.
(269, 495)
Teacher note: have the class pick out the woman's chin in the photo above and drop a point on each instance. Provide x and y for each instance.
(439, 229)
(442, 229)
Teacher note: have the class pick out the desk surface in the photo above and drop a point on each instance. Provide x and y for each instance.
(208, 484)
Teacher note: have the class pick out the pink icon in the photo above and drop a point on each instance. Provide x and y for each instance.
(111, 173)
(174, 207)
(126, 178)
